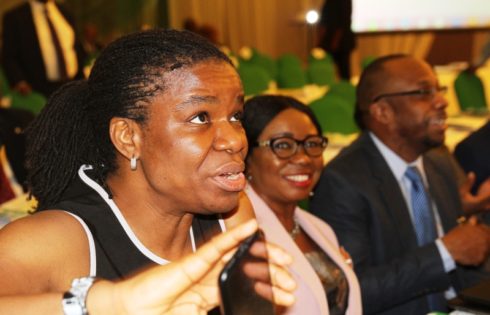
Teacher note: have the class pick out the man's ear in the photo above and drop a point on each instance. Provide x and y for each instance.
(126, 136)
(382, 112)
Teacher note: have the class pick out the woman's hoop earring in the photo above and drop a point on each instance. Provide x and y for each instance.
(132, 163)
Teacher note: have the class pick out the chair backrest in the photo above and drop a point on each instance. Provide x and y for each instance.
(255, 80)
(335, 114)
(32, 102)
(470, 92)
(253, 56)
(320, 73)
(291, 78)
(290, 74)
(346, 90)
(265, 62)
(288, 60)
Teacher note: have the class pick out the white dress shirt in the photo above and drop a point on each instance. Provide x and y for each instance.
(398, 166)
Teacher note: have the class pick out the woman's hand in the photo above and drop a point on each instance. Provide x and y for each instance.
(190, 285)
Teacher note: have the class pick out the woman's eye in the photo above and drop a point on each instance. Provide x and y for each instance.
(238, 116)
(283, 145)
(201, 118)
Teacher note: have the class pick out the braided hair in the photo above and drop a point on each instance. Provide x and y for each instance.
(73, 128)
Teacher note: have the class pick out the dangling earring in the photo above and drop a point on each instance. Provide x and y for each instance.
(249, 177)
(311, 193)
(132, 163)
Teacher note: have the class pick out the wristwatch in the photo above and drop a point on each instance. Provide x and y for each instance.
(74, 300)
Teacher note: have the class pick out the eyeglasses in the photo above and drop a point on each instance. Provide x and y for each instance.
(286, 147)
(427, 93)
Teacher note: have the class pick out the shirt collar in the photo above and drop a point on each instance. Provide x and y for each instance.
(397, 165)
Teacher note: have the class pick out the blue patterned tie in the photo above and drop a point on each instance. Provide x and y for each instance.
(423, 217)
(423, 220)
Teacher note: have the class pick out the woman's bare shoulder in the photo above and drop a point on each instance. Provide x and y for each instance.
(42, 252)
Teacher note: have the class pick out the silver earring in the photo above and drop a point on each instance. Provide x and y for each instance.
(132, 163)
(249, 177)
(311, 194)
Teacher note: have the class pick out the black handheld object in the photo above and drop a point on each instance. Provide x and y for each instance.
(238, 296)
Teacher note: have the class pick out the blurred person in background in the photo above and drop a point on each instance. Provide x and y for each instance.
(41, 49)
(335, 34)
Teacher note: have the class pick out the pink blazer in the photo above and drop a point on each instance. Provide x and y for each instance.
(310, 296)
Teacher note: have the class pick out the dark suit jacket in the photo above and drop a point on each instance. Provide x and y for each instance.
(22, 58)
(360, 198)
(473, 154)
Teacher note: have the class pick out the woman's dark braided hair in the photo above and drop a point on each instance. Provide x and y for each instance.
(73, 128)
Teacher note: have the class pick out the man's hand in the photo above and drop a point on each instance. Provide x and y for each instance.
(468, 243)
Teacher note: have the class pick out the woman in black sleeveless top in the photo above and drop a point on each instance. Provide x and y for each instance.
(123, 163)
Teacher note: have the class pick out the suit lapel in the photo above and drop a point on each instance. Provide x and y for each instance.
(438, 191)
(389, 193)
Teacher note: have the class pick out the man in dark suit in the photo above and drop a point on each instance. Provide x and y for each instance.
(33, 59)
(335, 34)
(407, 260)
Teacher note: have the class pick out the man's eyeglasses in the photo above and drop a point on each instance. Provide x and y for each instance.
(428, 93)
(286, 147)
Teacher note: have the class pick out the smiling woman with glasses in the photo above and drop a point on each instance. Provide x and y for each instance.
(283, 165)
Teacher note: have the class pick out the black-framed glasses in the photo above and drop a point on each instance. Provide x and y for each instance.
(428, 93)
(286, 147)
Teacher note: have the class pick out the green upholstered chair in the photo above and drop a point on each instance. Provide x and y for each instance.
(265, 62)
(288, 60)
(290, 74)
(255, 79)
(33, 102)
(253, 56)
(470, 92)
(335, 114)
(320, 73)
(346, 90)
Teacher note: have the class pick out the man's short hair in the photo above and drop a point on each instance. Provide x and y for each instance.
(370, 83)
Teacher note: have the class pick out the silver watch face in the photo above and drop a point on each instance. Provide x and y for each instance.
(71, 306)
(74, 300)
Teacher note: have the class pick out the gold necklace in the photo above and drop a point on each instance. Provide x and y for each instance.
(296, 229)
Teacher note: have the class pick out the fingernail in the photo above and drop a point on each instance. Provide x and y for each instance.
(289, 299)
(287, 281)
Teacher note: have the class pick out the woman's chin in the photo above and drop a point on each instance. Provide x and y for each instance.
(222, 205)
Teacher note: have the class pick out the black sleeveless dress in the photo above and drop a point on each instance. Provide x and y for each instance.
(117, 255)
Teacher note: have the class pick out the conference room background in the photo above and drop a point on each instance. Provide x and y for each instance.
(439, 31)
